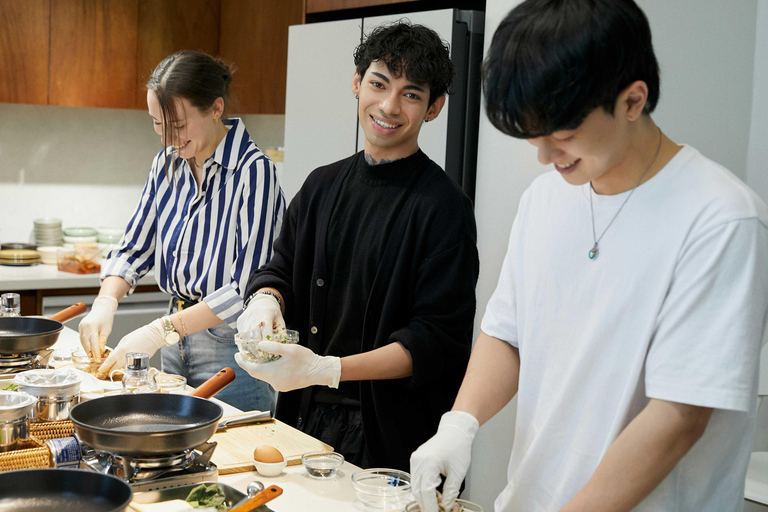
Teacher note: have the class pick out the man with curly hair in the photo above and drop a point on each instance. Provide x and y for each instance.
(376, 267)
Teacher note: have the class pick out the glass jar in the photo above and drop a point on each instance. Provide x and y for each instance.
(138, 377)
(10, 304)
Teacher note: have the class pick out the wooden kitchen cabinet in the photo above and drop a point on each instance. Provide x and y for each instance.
(99, 53)
(166, 26)
(24, 42)
(254, 38)
(93, 57)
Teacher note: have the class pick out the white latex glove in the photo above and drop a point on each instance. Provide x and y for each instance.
(448, 453)
(262, 314)
(96, 327)
(147, 339)
(298, 367)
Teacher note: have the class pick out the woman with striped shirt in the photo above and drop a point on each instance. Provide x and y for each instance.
(206, 218)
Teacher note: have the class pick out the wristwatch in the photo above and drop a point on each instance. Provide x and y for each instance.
(171, 337)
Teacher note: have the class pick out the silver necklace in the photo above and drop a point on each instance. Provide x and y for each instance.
(595, 250)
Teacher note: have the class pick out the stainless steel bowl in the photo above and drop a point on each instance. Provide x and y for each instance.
(53, 409)
(57, 392)
(14, 419)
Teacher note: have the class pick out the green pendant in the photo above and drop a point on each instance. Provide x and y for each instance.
(593, 253)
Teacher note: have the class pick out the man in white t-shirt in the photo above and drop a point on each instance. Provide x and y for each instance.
(632, 301)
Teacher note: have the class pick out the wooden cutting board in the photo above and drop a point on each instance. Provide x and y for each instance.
(235, 445)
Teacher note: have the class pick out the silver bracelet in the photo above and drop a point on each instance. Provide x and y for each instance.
(263, 292)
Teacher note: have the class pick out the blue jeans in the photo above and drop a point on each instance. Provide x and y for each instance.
(200, 355)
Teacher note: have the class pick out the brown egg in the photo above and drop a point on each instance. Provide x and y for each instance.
(267, 454)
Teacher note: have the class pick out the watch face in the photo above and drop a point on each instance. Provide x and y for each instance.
(172, 338)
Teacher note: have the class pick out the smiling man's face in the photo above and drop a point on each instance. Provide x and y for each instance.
(391, 111)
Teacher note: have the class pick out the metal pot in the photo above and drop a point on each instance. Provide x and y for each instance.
(57, 392)
(14, 419)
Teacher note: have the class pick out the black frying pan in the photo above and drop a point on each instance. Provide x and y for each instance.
(62, 490)
(145, 424)
(26, 334)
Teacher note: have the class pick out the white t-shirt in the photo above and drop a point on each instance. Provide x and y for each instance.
(673, 308)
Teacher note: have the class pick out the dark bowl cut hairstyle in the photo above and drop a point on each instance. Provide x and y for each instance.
(413, 50)
(195, 76)
(552, 62)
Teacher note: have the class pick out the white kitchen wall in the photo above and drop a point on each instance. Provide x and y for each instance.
(86, 166)
(706, 51)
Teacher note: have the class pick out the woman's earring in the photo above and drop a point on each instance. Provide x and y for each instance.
(427, 120)
(357, 97)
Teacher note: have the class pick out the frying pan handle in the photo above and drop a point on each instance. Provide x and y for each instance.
(69, 313)
(258, 500)
(219, 381)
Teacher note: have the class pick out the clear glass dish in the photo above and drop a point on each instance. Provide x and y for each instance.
(458, 506)
(384, 489)
(322, 464)
(247, 343)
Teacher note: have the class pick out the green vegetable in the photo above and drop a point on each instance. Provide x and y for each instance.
(207, 496)
(10, 387)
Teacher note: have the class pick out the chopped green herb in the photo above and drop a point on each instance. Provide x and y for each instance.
(10, 387)
(207, 496)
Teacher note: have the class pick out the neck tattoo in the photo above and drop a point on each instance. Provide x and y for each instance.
(595, 250)
(372, 161)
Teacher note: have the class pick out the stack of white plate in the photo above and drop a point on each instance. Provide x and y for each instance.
(48, 232)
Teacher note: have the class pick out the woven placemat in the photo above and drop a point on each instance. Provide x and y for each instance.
(35, 456)
(35, 453)
(51, 429)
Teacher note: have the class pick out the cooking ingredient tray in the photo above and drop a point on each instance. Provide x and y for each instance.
(233, 496)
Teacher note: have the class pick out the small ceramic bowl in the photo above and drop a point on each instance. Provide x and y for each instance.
(270, 468)
(79, 232)
(322, 464)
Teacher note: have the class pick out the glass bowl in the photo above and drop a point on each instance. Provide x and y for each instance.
(459, 506)
(247, 343)
(171, 383)
(382, 488)
(82, 361)
(322, 464)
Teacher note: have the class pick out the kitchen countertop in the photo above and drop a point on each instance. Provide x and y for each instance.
(48, 277)
(300, 491)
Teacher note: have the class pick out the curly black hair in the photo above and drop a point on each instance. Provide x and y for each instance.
(414, 50)
(552, 62)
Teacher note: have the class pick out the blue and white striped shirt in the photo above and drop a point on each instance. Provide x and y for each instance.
(209, 242)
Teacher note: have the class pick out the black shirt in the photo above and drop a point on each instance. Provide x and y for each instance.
(422, 294)
(361, 221)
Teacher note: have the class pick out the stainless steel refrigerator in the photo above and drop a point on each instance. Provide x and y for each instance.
(321, 124)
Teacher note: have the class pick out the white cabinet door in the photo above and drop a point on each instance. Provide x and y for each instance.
(320, 109)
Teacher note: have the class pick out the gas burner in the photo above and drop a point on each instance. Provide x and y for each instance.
(17, 363)
(154, 473)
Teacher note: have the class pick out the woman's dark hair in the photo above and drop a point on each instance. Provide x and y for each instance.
(414, 50)
(552, 62)
(195, 76)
